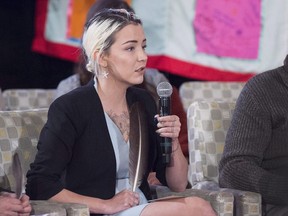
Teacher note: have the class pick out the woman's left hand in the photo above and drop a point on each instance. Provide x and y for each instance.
(168, 126)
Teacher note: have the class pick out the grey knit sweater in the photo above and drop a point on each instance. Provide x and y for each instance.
(255, 156)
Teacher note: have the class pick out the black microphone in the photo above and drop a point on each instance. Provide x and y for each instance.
(164, 91)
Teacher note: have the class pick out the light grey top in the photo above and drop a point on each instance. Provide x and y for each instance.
(121, 150)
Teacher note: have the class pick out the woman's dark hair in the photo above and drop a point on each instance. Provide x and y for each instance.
(103, 4)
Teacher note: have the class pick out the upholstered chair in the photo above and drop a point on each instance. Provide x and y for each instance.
(208, 122)
(209, 91)
(2, 101)
(22, 99)
(19, 132)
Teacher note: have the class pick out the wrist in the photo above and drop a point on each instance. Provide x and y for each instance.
(175, 146)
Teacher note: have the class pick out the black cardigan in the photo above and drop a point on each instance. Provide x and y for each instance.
(75, 150)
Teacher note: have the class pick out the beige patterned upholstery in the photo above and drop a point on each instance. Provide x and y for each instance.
(21, 99)
(208, 123)
(19, 132)
(221, 201)
(209, 91)
(50, 208)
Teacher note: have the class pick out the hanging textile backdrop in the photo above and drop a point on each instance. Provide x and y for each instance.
(199, 39)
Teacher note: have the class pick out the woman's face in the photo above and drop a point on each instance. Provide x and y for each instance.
(126, 58)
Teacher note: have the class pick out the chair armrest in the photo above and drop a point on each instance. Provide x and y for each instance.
(246, 203)
(207, 185)
(51, 208)
(48, 208)
(221, 201)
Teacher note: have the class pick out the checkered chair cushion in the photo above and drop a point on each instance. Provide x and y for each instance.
(208, 123)
(209, 91)
(21, 99)
(19, 132)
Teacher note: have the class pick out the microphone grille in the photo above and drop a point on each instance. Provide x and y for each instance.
(164, 89)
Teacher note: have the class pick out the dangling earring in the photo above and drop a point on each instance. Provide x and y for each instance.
(105, 74)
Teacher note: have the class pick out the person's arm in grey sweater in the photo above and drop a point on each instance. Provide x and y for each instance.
(250, 144)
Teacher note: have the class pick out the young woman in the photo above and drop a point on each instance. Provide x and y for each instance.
(84, 146)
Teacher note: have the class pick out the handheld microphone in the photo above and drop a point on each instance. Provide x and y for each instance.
(164, 91)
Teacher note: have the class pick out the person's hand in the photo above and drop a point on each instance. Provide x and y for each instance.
(123, 200)
(168, 126)
(26, 205)
(152, 179)
(10, 205)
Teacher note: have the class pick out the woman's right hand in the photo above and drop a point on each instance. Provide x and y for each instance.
(123, 200)
(10, 205)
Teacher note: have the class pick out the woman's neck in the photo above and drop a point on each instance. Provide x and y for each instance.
(113, 99)
(112, 96)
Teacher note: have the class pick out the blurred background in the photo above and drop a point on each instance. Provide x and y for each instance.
(20, 67)
(188, 40)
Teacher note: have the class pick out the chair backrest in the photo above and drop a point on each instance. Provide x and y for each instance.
(209, 91)
(19, 132)
(22, 99)
(2, 102)
(208, 123)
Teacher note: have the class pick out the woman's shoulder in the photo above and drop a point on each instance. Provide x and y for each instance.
(79, 93)
(81, 98)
